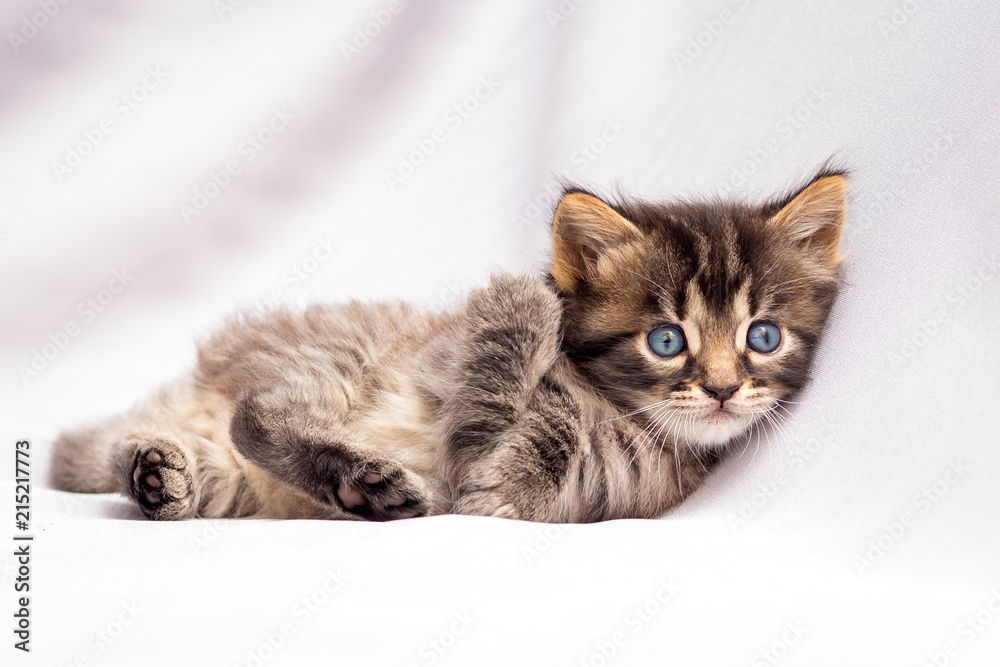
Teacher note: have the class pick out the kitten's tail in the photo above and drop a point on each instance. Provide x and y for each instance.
(82, 460)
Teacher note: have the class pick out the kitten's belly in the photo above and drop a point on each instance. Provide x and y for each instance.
(400, 414)
(404, 426)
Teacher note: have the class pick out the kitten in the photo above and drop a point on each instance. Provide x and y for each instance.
(605, 390)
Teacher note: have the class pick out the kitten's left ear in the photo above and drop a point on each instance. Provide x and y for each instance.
(584, 229)
(814, 218)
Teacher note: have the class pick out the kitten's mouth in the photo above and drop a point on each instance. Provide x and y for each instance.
(720, 416)
(715, 426)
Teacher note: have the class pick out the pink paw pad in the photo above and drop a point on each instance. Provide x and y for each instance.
(351, 497)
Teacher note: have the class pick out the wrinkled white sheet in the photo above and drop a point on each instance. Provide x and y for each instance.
(864, 533)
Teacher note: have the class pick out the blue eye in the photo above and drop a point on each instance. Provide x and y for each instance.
(666, 341)
(763, 337)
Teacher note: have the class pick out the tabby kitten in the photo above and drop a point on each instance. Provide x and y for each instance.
(605, 390)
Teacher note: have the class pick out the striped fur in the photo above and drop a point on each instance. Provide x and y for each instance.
(539, 399)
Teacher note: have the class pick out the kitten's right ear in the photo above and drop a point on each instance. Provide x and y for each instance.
(584, 228)
(814, 218)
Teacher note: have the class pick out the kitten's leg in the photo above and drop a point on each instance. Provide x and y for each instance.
(527, 475)
(148, 463)
(515, 428)
(290, 434)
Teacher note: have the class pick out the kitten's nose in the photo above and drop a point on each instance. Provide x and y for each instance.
(722, 395)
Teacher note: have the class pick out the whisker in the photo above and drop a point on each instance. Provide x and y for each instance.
(664, 426)
(677, 462)
(767, 415)
(780, 421)
(635, 412)
(652, 423)
(655, 284)
(675, 417)
(768, 272)
(697, 455)
(676, 446)
(659, 455)
(782, 407)
(643, 434)
(750, 437)
(785, 400)
(773, 427)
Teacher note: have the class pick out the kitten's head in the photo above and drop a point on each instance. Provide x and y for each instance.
(700, 316)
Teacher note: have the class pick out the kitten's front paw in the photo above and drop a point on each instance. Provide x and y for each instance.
(508, 492)
(515, 299)
(489, 503)
(160, 481)
(514, 326)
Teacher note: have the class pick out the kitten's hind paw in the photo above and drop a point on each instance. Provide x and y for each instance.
(350, 497)
(160, 481)
(373, 490)
(277, 432)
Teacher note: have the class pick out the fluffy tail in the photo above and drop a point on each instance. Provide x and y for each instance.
(82, 460)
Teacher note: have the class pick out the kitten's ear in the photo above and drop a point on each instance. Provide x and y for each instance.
(584, 228)
(814, 218)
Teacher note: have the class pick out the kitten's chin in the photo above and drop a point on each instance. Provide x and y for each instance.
(715, 429)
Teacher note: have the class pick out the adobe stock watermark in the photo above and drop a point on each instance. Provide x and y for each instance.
(545, 537)
(959, 296)
(246, 152)
(635, 620)
(545, 200)
(541, 205)
(301, 612)
(779, 648)
(900, 15)
(453, 118)
(785, 128)
(593, 149)
(70, 502)
(450, 295)
(365, 34)
(971, 627)
(434, 648)
(223, 8)
(711, 30)
(211, 531)
(922, 502)
(322, 251)
(104, 637)
(32, 24)
(872, 208)
(563, 11)
(87, 311)
(764, 492)
(943, 142)
(121, 108)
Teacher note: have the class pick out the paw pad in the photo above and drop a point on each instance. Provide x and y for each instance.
(161, 483)
(375, 490)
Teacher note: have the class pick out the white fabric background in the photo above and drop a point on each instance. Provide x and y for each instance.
(906, 384)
